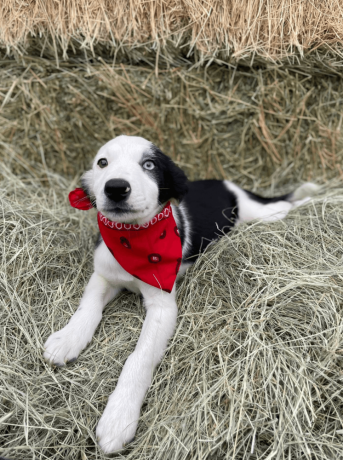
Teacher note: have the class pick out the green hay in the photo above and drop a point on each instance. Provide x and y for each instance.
(257, 125)
(254, 368)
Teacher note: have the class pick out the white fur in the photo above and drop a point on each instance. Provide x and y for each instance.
(66, 344)
(304, 191)
(118, 423)
(124, 154)
(187, 227)
(249, 209)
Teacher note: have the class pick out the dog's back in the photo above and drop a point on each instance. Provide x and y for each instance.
(212, 207)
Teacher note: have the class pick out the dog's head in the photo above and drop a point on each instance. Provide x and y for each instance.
(132, 179)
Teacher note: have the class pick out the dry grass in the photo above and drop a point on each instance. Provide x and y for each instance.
(215, 28)
(254, 370)
(259, 126)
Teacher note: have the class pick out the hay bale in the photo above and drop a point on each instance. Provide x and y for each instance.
(254, 368)
(213, 29)
(258, 126)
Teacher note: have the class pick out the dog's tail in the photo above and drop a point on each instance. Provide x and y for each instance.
(302, 194)
(306, 190)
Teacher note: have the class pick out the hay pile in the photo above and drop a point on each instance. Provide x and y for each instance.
(255, 367)
(211, 28)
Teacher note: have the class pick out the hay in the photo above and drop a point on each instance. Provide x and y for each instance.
(272, 29)
(254, 368)
(259, 126)
(253, 371)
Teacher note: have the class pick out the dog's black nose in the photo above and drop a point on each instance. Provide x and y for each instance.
(117, 189)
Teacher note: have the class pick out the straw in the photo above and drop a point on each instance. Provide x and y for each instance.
(212, 29)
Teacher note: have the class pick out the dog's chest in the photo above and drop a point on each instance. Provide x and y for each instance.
(107, 266)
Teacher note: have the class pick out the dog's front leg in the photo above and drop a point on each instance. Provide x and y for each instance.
(65, 345)
(118, 423)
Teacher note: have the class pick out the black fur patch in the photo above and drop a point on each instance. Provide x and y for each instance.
(262, 200)
(98, 240)
(171, 180)
(212, 211)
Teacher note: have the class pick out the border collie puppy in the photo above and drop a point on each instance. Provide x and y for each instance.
(153, 225)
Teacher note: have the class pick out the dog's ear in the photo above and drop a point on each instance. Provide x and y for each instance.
(172, 181)
(176, 183)
(86, 184)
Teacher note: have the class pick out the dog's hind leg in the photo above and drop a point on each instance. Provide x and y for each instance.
(252, 206)
(65, 345)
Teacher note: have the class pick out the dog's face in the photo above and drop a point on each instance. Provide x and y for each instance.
(131, 179)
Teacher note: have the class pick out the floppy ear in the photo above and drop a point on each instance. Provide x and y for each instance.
(178, 182)
(172, 181)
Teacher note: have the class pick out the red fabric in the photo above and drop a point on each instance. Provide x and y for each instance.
(151, 252)
(79, 200)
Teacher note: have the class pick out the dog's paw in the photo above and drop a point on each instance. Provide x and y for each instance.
(65, 345)
(118, 424)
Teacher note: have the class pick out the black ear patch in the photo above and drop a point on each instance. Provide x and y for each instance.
(172, 181)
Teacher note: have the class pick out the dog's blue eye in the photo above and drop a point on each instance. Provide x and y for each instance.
(149, 165)
(102, 163)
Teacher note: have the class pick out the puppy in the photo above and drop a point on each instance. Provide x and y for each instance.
(153, 224)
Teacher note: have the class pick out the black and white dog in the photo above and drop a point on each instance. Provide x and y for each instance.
(130, 182)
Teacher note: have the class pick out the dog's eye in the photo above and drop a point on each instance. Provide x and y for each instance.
(149, 165)
(102, 163)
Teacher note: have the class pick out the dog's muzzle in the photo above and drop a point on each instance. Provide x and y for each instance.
(117, 190)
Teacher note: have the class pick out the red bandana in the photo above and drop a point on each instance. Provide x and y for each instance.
(79, 199)
(151, 252)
